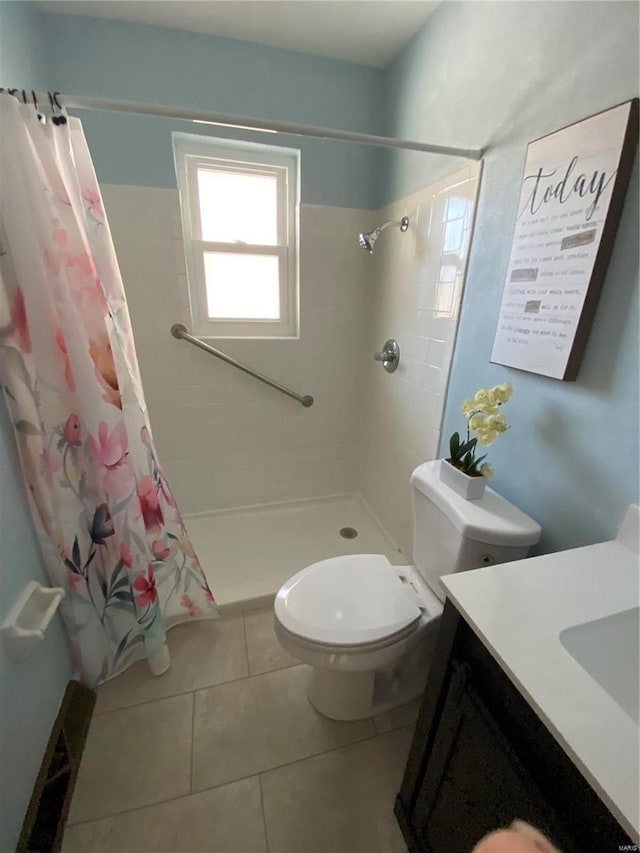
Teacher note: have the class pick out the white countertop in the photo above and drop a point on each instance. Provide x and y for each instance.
(518, 610)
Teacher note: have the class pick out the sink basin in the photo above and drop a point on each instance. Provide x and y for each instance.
(608, 650)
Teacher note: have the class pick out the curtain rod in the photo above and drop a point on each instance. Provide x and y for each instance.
(259, 124)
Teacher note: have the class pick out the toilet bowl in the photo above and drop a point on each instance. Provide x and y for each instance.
(352, 619)
(368, 628)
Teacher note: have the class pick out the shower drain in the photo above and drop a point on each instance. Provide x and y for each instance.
(348, 532)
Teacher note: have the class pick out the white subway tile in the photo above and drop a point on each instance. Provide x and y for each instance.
(434, 379)
(437, 354)
(227, 440)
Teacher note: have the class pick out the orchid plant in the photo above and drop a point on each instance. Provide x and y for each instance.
(485, 420)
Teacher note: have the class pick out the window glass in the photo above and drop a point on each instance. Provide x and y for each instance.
(242, 286)
(239, 204)
(236, 206)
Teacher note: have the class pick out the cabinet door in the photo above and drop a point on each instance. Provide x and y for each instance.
(474, 782)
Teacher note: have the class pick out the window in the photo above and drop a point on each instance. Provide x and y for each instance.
(239, 204)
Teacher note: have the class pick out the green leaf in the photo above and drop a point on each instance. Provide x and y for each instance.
(454, 444)
(121, 586)
(70, 566)
(123, 595)
(467, 447)
(122, 645)
(27, 428)
(102, 583)
(75, 553)
(114, 575)
(132, 644)
(467, 461)
(102, 525)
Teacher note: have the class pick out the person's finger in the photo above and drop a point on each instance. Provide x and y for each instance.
(508, 841)
(533, 834)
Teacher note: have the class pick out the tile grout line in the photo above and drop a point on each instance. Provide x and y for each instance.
(193, 739)
(264, 816)
(246, 643)
(259, 773)
(206, 686)
(193, 690)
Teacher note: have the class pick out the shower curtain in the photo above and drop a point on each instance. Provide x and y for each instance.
(109, 528)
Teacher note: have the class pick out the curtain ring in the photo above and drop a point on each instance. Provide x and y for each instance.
(39, 115)
(24, 97)
(62, 119)
(56, 119)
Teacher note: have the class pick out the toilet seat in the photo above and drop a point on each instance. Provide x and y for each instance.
(347, 601)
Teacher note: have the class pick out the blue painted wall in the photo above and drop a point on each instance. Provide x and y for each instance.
(115, 59)
(23, 53)
(30, 691)
(500, 75)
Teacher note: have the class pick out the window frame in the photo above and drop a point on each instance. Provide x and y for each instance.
(192, 152)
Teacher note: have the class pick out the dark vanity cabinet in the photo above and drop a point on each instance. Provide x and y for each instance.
(481, 758)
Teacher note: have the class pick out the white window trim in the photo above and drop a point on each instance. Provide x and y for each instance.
(192, 151)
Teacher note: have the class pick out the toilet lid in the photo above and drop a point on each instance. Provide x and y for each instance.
(346, 600)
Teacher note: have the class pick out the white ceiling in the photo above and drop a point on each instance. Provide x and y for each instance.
(367, 32)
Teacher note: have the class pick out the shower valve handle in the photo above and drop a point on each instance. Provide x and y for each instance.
(390, 355)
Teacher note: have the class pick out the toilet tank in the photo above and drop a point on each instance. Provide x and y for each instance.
(451, 534)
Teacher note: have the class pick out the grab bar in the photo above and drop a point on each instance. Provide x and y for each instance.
(180, 331)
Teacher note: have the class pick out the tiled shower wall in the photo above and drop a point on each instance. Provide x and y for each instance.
(224, 439)
(414, 294)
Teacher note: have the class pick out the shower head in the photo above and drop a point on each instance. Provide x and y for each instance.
(367, 240)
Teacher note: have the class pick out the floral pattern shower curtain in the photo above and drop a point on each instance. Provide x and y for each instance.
(108, 524)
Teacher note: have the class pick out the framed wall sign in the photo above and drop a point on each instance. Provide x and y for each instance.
(571, 198)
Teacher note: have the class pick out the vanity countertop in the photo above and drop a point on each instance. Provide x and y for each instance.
(518, 610)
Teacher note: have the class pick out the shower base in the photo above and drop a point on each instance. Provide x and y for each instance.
(248, 553)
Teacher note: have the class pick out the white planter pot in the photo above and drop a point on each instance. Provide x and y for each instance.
(470, 488)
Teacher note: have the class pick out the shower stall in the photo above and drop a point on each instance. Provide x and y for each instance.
(267, 485)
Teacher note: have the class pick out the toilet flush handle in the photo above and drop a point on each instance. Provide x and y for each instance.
(390, 355)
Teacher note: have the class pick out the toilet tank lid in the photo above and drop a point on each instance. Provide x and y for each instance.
(490, 519)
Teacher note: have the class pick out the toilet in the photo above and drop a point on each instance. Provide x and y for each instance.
(368, 628)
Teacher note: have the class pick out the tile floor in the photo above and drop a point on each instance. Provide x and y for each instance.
(224, 754)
